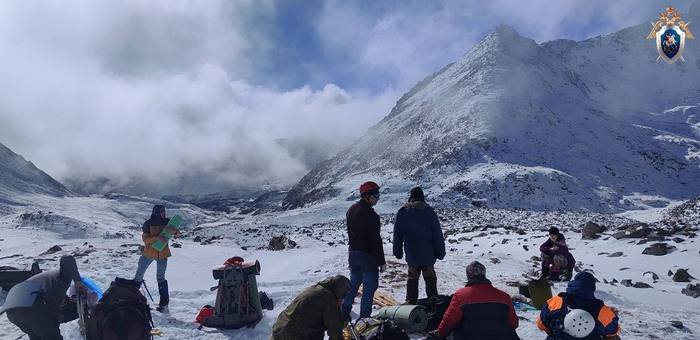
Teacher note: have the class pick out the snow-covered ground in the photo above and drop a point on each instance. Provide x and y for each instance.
(104, 234)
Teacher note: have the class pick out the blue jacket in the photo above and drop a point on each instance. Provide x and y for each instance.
(417, 230)
(579, 295)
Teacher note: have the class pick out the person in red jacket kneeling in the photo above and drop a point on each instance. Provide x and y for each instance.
(479, 311)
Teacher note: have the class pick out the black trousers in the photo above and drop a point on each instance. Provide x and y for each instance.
(430, 278)
(39, 322)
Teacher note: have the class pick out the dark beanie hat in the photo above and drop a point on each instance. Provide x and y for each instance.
(554, 231)
(416, 195)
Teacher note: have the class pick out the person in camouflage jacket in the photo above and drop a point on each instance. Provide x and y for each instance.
(315, 311)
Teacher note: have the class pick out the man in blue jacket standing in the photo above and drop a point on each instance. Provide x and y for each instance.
(417, 230)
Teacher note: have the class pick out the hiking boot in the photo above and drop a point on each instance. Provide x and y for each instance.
(163, 309)
(164, 294)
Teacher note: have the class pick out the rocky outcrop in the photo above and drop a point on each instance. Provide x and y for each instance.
(658, 249)
(591, 231)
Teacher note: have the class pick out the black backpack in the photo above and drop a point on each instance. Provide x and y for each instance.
(435, 307)
(387, 330)
(123, 313)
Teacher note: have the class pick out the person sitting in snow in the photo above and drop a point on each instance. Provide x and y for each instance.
(151, 233)
(557, 261)
(315, 311)
(37, 305)
(577, 314)
(479, 311)
(417, 229)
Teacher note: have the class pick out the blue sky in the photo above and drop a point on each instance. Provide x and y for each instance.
(303, 51)
(177, 88)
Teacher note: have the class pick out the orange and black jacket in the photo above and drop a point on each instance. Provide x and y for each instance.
(151, 230)
(551, 318)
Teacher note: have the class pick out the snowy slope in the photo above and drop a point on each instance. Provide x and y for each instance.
(558, 125)
(19, 176)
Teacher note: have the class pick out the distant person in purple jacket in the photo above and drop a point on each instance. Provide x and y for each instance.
(557, 261)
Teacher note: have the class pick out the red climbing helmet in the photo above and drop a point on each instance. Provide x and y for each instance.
(369, 188)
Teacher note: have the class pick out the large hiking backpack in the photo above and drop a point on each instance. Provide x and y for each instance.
(123, 313)
(238, 302)
(435, 307)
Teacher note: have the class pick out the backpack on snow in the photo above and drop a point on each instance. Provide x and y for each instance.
(122, 313)
(238, 302)
(373, 329)
(435, 307)
(539, 291)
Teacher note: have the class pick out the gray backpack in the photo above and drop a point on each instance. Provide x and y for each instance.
(238, 302)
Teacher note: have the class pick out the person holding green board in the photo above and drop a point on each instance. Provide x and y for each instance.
(152, 229)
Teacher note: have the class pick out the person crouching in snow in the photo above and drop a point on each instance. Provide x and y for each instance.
(417, 229)
(37, 304)
(479, 311)
(151, 233)
(557, 261)
(577, 314)
(315, 311)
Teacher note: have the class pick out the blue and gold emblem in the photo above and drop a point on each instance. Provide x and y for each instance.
(670, 32)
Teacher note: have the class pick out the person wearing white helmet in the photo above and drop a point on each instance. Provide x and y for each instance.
(577, 314)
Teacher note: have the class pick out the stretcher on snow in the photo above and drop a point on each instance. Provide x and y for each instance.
(10, 276)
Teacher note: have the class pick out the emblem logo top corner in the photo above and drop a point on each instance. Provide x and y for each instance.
(670, 32)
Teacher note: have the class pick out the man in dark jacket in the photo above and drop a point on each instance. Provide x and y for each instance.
(479, 311)
(557, 261)
(366, 250)
(34, 305)
(417, 229)
(580, 295)
(315, 311)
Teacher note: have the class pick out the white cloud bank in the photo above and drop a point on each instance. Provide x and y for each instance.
(155, 91)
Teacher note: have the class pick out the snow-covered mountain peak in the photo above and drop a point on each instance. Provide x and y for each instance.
(559, 125)
(505, 36)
